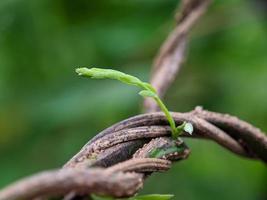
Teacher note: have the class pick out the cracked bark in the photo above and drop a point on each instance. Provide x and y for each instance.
(122, 150)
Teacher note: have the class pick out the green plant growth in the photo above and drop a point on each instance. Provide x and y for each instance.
(147, 91)
(141, 197)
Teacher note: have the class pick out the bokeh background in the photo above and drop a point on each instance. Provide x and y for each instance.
(47, 113)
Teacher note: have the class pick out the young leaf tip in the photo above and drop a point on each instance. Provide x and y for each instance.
(188, 127)
(153, 197)
(81, 71)
(148, 89)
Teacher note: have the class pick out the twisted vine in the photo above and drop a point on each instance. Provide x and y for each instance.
(116, 162)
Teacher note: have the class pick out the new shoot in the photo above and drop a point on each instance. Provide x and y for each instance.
(147, 90)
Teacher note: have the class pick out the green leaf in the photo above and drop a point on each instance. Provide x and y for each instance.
(154, 197)
(148, 90)
(142, 197)
(185, 126)
(96, 197)
(147, 93)
(98, 73)
(189, 128)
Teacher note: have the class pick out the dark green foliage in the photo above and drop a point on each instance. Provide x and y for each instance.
(47, 114)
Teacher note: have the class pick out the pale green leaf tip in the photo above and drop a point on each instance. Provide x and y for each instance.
(81, 71)
(153, 197)
(189, 128)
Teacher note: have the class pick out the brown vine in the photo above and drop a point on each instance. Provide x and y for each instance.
(116, 162)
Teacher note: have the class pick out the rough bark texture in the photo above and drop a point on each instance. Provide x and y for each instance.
(171, 55)
(59, 182)
(123, 150)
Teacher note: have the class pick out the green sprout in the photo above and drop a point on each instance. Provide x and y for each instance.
(141, 197)
(147, 91)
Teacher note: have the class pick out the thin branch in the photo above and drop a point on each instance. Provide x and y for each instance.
(122, 136)
(219, 136)
(246, 134)
(226, 135)
(141, 165)
(131, 134)
(172, 53)
(224, 129)
(60, 182)
(105, 158)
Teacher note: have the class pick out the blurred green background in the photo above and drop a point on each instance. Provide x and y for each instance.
(47, 113)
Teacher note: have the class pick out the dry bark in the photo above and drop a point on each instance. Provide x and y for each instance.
(123, 149)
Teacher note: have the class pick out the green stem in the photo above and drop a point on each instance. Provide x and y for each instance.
(149, 90)
(168, 115)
